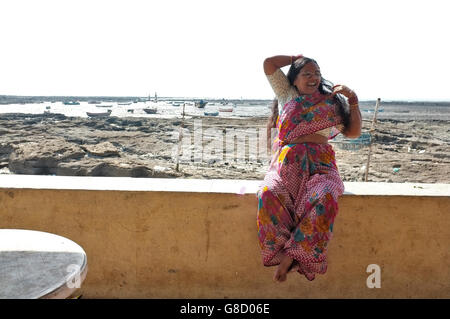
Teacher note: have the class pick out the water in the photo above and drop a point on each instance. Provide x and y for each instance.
(166, 109)
(407, 111)
(242, 109)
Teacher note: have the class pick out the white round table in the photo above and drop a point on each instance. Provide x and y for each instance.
(35, 264)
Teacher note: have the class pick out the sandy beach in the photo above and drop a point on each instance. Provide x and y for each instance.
(211, 147)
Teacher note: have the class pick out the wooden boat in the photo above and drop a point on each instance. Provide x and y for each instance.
(71, 103)
(150, 110)
(211, 113)
(98, 114)
(200, 104)
(401, 111)
(371, 111)
(226, 109)
(354, 144)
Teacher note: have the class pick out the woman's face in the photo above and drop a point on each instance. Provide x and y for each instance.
(308, 79)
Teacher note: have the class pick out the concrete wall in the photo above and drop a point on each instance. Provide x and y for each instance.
(173, 239)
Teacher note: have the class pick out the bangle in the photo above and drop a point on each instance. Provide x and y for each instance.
(353, 100)
(354, 106)
(295, 57)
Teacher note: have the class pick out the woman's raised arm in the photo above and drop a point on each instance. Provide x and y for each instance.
(273, 63)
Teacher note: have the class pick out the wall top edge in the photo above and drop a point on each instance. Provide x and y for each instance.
(227, 186)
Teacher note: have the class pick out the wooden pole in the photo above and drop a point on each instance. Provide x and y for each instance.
(372, 129)
(180, 138)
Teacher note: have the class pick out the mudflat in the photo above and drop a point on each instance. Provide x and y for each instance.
(210, 148)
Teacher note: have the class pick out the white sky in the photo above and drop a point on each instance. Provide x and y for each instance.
(394, 49)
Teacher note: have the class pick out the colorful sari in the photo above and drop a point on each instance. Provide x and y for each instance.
(297, 202)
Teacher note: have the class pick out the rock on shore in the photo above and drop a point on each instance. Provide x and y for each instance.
(58, 145)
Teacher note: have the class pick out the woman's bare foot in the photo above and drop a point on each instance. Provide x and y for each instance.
(281, 272)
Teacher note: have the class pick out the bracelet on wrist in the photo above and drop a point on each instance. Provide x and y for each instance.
(354, 106)
(353, 101)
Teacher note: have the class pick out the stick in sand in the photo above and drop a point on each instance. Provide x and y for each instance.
(180, 138)
(372, 129)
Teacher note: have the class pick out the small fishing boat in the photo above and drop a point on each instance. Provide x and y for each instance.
(124, 103)
(363, 140)
(226, 109)
(104, 105)
(371, 111)
(215, 113)
(200, 104)
(401, 111)
(150, 110)
(98, 114)
(71, 103)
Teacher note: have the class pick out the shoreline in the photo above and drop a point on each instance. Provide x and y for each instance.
(12, 99)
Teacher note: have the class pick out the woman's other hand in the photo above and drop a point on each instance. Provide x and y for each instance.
(354, 128)
(345, 91)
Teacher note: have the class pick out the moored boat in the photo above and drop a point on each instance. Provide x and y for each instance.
(226, 109)
(200, 104)
(371, 111)
(150, 110)
(98, 114)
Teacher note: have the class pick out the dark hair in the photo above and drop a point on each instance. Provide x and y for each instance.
(325, 87)
(272, 122)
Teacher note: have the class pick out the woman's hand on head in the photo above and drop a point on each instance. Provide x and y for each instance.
(296, 57)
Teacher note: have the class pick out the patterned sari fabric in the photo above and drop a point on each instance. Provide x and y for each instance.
(297, 202)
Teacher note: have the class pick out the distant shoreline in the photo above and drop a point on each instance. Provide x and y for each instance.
(18, 99)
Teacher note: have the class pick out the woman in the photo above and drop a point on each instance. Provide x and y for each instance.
(297, 202)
